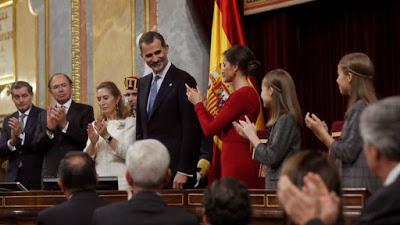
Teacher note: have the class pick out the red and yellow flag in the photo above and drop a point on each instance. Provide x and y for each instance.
(227, 30)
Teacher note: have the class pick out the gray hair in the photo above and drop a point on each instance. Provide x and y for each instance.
(380, 126)
(147, 161)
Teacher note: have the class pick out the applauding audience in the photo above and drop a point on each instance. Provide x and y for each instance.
(380, 125)
(303, 167)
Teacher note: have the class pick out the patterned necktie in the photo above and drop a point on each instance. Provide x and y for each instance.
(21, 121)
(152, 94)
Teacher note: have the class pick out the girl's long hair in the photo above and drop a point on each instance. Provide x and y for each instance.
(284, 97)
(363, 72)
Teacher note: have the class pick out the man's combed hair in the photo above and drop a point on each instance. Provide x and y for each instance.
(380, 126)
(77, 171)
(21, 84)
(57, 74)
(227, 202)
(148, 162)
(149, 37)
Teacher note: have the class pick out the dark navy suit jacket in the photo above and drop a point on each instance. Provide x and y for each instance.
(25, 163)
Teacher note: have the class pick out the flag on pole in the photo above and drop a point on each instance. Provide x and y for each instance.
(227, 30)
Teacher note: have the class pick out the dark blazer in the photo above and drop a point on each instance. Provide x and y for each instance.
(173, 121)
(143, 208)
(383, 207)
(76, 211)
(79, 116)
(25, 163)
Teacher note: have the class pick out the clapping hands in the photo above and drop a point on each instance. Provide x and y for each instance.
(319, 128)
(193, 94)
(56, 117)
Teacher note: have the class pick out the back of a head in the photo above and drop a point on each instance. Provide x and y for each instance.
(380, 126)
(77, 172)
(147, 162)
(227, 202)
(298, 165)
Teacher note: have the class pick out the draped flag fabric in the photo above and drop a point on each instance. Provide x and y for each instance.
(227, 30)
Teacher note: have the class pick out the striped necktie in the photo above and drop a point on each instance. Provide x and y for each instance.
(21, 121)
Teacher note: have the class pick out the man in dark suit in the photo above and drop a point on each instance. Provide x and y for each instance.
(77, 178)
(19, 138)
(164, 113)
(147, 164)
(66, 121)
(379, 126)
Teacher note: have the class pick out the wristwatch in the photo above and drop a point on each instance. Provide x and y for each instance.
(108, 138)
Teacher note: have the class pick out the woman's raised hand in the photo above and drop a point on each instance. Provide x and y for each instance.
(193, 94)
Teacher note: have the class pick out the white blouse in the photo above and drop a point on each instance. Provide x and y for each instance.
(108, 161)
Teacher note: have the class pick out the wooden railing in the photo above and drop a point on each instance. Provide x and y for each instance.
(23, 207)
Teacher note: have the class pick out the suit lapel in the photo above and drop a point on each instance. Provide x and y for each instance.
(31, 121)
(165, 89)
(71, 111)
(144, 94)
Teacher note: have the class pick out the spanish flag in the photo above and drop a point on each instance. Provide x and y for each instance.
(227, 30)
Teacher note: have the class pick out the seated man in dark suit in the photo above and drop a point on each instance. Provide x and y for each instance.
(147, 171)
(227, 202)
(77, 178)
(19, 137)
(379, 126)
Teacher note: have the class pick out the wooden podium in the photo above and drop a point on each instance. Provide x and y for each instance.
(23, 207)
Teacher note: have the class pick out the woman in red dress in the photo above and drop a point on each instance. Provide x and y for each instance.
(236, 159)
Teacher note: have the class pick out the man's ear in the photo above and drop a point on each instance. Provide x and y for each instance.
(167, 177)
(166, 48)
(129, 178)
(60, 184)
(372, 152)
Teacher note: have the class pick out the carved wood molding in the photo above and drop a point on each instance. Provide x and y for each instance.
(76, 50)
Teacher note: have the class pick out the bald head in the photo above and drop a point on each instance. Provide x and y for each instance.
(77, 172)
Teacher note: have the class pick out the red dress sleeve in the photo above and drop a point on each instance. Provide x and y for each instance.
(238, 103)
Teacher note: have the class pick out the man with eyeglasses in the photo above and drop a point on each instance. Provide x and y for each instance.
(66, 122)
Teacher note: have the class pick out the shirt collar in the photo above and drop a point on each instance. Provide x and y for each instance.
(164, 71)
(66, 105)
(392, 176)
(26, 112)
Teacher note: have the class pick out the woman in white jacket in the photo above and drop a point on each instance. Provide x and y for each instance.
(111, 134)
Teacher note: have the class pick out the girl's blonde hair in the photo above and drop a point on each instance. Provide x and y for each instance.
(122, 109)
(362, 86)
(284, 97)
